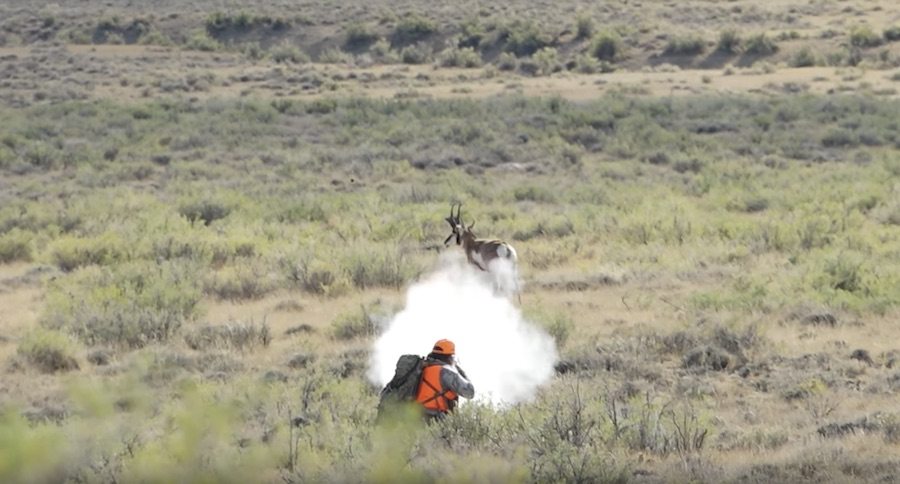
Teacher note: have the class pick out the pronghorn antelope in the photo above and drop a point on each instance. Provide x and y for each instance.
(479, 252)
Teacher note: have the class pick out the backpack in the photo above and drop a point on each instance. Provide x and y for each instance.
(405, 384)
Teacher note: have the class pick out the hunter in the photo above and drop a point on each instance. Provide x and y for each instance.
(443, 382)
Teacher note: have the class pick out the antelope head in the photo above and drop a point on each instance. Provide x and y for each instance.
(458, 229)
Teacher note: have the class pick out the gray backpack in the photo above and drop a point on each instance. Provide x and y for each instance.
(405, 384)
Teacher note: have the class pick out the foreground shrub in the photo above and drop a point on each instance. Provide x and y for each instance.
(32, 452)
(48, 351)
(129, 306)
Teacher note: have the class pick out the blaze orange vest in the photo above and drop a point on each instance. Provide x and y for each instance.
(432, 394)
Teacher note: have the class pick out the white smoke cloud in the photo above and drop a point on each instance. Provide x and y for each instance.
(506, 357)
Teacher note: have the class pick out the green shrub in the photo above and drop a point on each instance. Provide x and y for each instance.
(48, 351)
(105, 29)
(729, 42)
(845, 272)
(471, 34)
(354, 324)
(41, 155)
(689, 46)
(606, 46)
(523, 38)
(244, 282)
(840, 138)
(892, 34)
(220, 22)
(202, 42)
(534, 193)
(559, 325)
(15, 245)
(551, 229)
(313, 276)
(232, 336)
(155, 37)
(130, 306)
(381, 51)
(565, 432)
(285, 52)
(416, 54)
(803, 58)
(863, 36)
(547, 60)
(890, 214)
(584, 27)
(412, 29)
(760, 45)
(379, 268)
(309, 210)
(587, 64)
(205, 210)
(359, 36)
(69, 253)
(333, 55)
(459, 57)
(748, 204)
(7, 156)
(507, 62)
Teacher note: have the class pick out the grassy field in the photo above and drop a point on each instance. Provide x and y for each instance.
(207, 211)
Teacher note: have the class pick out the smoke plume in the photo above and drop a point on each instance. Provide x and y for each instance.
(505, 357)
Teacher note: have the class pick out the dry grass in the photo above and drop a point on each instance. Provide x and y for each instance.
(136, 72)
(788, 371)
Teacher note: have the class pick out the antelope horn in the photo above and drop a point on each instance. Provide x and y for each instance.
(448, 239)
(458, 210)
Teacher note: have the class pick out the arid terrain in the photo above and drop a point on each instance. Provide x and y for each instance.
(210, 210)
